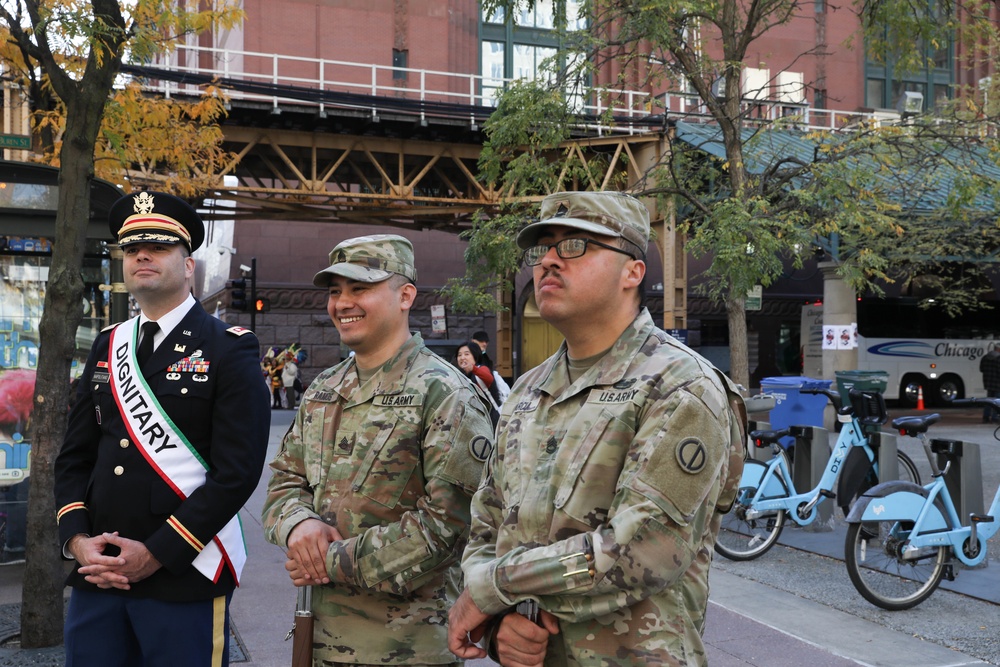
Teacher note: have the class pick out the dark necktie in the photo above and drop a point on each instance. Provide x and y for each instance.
(145, 350)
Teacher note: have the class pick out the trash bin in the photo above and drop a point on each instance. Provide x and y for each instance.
(793, 408)
(861, 380)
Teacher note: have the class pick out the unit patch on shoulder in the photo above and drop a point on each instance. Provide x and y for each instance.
(238, 331)
(691, 455)
(480, 447)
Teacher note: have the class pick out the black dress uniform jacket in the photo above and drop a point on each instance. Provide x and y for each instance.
(223, 412)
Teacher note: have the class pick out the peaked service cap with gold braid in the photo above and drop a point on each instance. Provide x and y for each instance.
(155, 217)
(606, 213)
(369, 259)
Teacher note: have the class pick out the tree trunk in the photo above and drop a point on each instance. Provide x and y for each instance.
(738, 352)
(44, 572)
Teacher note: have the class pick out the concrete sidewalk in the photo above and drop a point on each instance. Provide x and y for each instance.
(748, 623)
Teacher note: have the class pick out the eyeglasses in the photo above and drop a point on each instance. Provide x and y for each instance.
(566, 249)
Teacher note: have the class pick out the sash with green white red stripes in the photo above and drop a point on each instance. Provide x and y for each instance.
(169, 453)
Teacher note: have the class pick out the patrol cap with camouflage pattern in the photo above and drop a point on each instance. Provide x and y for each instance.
(369, 259)
(607, 213)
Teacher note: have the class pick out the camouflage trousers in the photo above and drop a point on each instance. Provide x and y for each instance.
(359, 664)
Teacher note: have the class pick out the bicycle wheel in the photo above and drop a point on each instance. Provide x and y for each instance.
(879, 572)
(906, 468)
(740, 538)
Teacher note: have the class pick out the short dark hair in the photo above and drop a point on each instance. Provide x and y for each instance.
(481, 335)
(398, 280)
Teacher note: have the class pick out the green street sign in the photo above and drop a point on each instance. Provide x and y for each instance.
(15, 141)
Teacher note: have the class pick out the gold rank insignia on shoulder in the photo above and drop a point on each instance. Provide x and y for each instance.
(238, 331)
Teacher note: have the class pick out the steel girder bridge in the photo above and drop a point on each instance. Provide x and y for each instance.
(365, 149)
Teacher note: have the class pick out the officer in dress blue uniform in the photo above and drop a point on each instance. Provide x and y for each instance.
(165, 444)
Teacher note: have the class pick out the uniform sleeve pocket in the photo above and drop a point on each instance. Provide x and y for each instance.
(392, 559)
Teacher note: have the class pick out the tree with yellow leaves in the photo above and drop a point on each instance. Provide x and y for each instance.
(67, 55)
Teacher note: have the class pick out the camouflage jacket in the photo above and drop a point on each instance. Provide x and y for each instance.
(392, 464)
(600, 501)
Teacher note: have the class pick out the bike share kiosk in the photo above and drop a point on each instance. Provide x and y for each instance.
(964, 477)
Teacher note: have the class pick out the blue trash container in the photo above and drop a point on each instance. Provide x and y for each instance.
(793, 408)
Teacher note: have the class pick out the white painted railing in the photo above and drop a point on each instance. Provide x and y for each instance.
(632, 109)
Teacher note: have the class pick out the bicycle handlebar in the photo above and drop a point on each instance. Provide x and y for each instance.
(830, 394)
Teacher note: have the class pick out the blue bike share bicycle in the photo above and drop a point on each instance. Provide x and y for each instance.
(903, 538)
(767, 493)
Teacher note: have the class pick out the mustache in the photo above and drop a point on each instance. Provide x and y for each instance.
(551, 274)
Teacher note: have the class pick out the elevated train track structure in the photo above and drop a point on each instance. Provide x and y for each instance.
(344, 142)
(340, 142)
(336, 142)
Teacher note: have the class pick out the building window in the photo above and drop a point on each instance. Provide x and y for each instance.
(492, 70)
(400, 60)
(516, 48)
(883, 85)
(498, 17)
(819, 98)
(875, 93)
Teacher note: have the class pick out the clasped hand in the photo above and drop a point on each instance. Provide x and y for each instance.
(519, 642)
(133, 564)
(308, 544)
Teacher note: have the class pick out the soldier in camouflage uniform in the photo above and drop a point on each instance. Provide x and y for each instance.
(370, 491)
(614, 461)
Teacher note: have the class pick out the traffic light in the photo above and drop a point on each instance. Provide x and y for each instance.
(262, 305)
(238, 294)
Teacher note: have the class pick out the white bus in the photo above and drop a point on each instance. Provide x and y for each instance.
(920, 348)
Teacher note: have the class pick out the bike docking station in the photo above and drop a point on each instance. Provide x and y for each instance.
(795, 483)
(964, 477)
(809, 462)
(886, 447)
